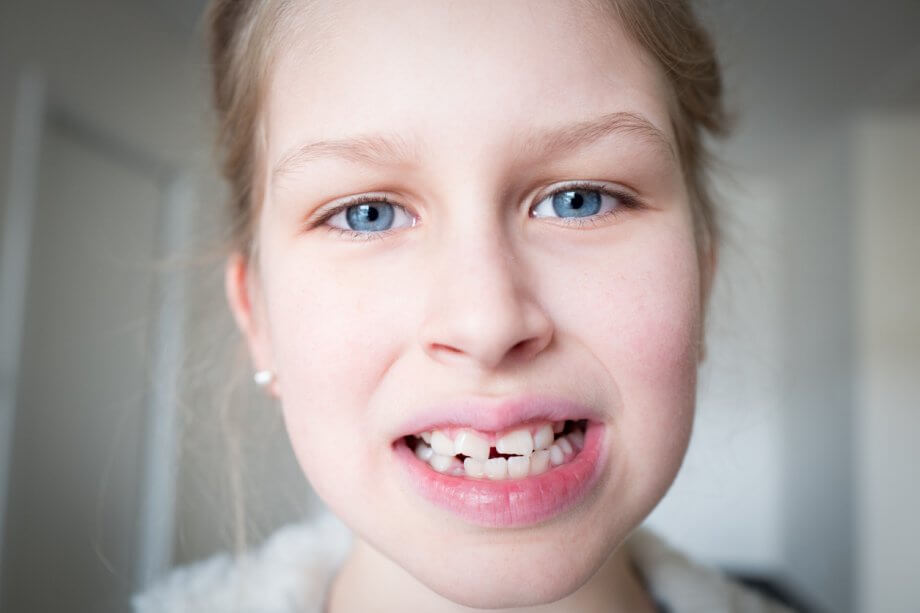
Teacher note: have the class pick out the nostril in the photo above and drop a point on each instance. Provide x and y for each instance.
(522, 346)
(529, 347)
(446, 348)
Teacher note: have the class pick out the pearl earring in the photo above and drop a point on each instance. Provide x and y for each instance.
(263, 377)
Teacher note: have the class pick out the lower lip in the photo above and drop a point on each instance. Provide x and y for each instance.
(510, 502)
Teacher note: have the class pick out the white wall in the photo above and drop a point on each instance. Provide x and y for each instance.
(888, 424)
(817, 387)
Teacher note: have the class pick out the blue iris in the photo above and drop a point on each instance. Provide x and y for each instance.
(372, 217)
(577, 203)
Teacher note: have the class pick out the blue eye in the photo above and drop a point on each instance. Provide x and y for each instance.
(574, 202)
(370, 217)
(577, 203)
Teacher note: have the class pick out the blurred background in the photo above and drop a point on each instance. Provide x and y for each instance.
(124, 392)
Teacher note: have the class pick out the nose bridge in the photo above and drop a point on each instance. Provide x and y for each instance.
(481, 308)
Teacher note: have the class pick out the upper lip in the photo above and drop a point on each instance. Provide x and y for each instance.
(496, 414)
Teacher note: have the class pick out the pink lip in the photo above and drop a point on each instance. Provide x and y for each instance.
(513, 502)
(496, 415)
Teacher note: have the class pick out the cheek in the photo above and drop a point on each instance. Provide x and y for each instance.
(336, 331)
(335, 322)
(639, 318)
(654, 341)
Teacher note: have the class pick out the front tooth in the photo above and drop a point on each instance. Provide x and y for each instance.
(442, 463)
(474, 467)
(539, 462)
(423, 452)
(543, 437)
(518, 466)
(470, 444)
(556, 455)
(426, 436)
(496, 468)
(441, 443)
(518, 442)
(563, 443)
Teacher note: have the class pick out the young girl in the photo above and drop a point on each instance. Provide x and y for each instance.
(474, 248)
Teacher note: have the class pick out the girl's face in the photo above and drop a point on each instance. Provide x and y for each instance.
(475, 227)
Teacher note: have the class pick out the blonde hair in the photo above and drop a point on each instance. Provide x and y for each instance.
(241, 58)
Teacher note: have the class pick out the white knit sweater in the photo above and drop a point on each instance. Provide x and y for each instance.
(291, 572)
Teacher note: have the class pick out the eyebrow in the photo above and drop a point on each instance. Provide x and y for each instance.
(581, 134)
(384, 150)
(373, 150)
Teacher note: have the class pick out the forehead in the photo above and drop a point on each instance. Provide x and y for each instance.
(461, 76)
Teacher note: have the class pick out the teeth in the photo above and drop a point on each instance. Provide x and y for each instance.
(443, 463)
(564, 444)
(578, 439)
(518, 466)
(543, 437)
(496, 468)
(423, 452)
(531, 454)
(474, 467)
(441, 444)
(473, 445)
(518, 442)
(539, 462)
(556, 455)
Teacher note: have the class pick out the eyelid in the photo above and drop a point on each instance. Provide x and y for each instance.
(325, 213)
(627, 198)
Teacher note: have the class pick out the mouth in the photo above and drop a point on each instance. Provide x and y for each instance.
(517, 475)
(526, 451)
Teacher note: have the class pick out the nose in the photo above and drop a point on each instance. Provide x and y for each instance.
(481, 311)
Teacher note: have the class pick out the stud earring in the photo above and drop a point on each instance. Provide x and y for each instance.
(263, 377)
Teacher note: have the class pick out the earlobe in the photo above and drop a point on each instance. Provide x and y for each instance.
(245, 305)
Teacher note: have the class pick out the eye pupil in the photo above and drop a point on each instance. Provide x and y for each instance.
(577, 203)
(372, 217)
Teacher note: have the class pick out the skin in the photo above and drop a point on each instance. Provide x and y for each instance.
(478, 298)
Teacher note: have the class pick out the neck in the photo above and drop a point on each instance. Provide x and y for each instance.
(370, 581)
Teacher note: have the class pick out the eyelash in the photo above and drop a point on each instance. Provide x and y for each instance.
(355, 234)
(625, 200)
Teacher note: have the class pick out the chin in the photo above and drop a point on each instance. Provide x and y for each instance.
(506, 574)
(492, 588)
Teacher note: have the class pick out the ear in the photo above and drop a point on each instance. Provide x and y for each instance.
(709, 260)
(248, 310)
